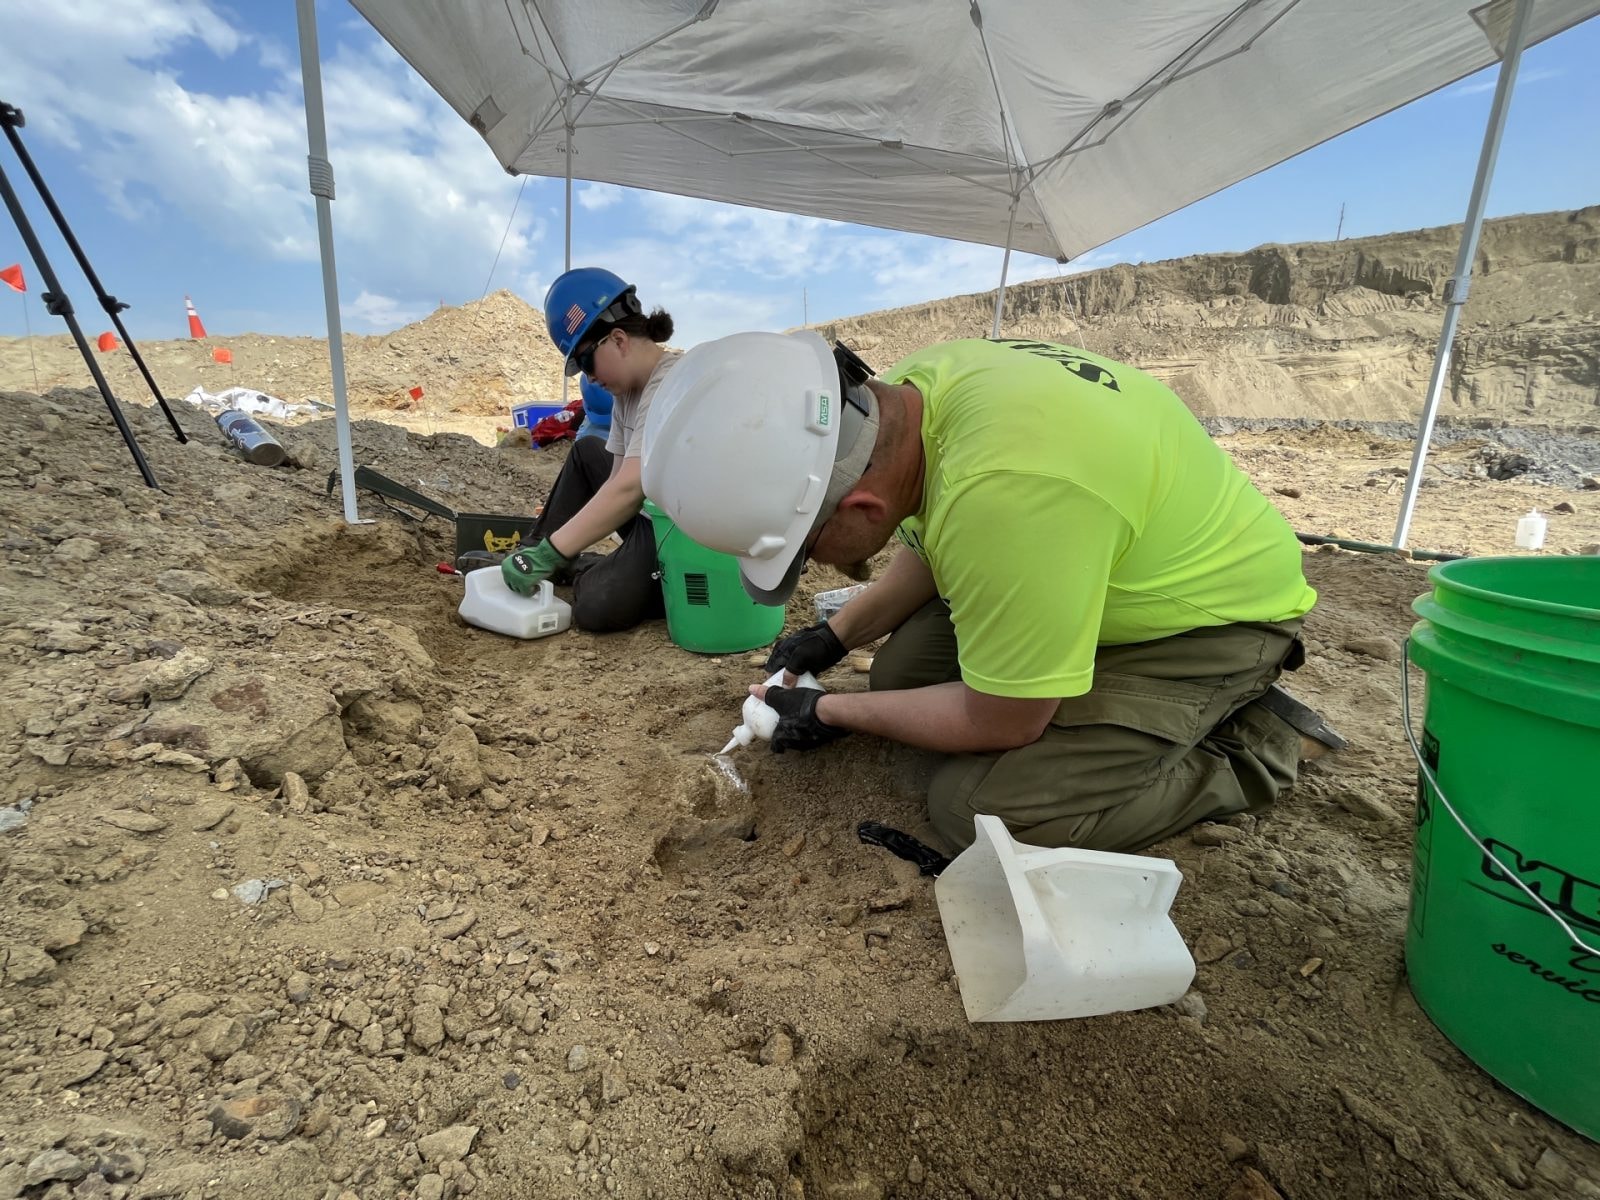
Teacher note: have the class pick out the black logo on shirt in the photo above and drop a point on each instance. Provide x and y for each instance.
(1072, 360)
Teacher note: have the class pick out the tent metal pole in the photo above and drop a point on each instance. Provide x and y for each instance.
(1005, 266)
(1456, 288)
(321, 175)
(568, 267)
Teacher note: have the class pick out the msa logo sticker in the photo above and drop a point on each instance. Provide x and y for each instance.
(821, 418)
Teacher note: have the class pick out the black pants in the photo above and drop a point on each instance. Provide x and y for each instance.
(610, 592)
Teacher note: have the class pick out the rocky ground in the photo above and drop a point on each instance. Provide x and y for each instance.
(308, 890)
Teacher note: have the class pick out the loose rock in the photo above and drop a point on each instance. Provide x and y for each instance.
(455, 926)
(295, 792)
(448, 1145)
(271, 1116)
(298, 987)
(427, 1026)
(210, 814)
(76, 1068)
(1216, 835)
(52, 1165)
(133, 821)
(219, 1037)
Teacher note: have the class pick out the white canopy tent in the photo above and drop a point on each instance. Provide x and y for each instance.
(1050, 126)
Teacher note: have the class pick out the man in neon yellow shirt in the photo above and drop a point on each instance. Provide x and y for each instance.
(1088, 610)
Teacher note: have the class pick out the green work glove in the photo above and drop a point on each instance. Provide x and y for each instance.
(525, 570)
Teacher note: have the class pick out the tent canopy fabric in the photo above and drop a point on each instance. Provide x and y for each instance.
(1088, 119)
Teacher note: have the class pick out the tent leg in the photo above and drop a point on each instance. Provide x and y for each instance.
(1455, 292)
(1005, 267)
(321, 173)
(568, 267)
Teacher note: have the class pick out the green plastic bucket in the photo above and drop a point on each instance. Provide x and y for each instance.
(708, 610)
(1503, 940)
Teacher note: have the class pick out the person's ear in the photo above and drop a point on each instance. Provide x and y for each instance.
(864, 503)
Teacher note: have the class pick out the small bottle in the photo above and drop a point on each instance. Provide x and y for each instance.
(1530, 531)
(253, 442)
(760, 718)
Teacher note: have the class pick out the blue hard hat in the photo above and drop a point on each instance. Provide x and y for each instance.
(577, 299)
(596, 400)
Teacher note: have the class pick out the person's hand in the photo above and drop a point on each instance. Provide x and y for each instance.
(814, 649)
(799, 727)
(525, 570)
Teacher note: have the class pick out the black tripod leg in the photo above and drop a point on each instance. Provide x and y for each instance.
(12, 120)
(56, 302)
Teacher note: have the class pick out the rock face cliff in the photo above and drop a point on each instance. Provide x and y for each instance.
(1320, 329)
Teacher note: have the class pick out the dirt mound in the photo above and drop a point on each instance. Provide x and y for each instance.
(309, 891)
(1320, 329)
(479, 359)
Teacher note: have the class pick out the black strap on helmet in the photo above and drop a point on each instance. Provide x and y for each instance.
(853, 373)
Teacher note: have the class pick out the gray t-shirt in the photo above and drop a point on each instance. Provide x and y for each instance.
(630, 409)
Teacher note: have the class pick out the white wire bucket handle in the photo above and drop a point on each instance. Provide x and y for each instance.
(1433, 782)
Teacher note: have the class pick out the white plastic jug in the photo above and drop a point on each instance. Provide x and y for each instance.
(1039, 934)
(490, 604)
(1531, 530)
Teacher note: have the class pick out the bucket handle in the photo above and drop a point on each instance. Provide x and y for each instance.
(1433, 782)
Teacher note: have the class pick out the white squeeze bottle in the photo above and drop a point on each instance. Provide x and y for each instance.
(760, 718)
(1530, 531)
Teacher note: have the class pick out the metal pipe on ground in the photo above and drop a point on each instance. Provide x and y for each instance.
(1313, 539)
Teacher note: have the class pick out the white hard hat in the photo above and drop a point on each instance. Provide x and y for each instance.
(750, 443)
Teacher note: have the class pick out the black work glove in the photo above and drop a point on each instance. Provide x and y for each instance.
(798, 725)
(814, 649)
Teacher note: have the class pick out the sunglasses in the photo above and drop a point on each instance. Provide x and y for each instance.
(584, 359)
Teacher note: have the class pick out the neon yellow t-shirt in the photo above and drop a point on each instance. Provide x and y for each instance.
(1070, 501)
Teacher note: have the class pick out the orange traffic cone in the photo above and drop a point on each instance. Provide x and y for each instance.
(196, 330)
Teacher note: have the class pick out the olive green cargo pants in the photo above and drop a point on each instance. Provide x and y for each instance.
(1167, 736)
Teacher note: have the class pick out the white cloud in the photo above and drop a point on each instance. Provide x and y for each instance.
(421, 206)
(381, 312)
(594, 197)
(1524, 78)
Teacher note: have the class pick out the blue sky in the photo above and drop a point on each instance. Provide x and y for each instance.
(173, 137)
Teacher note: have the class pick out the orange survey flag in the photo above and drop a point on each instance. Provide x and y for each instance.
(416, 393)
(108, 340)
(13, 276)
(222, 354)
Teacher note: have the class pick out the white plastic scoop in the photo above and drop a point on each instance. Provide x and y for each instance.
(1038, 934)
(760, 718)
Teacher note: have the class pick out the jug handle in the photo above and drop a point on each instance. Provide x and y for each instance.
(546, 590)
(1161, 884)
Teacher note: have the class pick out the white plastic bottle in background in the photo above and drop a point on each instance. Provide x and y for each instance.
(760, 719)
(1530, 531)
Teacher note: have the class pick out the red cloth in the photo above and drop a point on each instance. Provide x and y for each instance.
(556, 426)
(13, 276)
